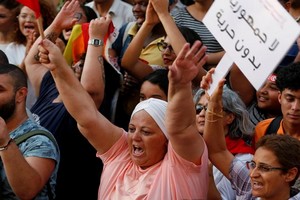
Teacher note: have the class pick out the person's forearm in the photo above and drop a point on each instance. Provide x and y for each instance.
(176, 39)
(215, 139)
(23, 179)
(214, 58)
(241, 85)
(181, 105)
(214, 131)
(133, 52)
(93, 76)
(74, 96)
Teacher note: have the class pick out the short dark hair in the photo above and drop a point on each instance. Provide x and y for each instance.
(89, 13)
(286, 148)
(288, 77)
(189, 35)
(159, 77)
(18, 76)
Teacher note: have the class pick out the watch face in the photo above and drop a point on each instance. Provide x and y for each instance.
(96, 42)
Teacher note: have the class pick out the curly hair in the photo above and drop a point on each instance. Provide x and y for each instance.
(288, 77)
(286, 149)
(48, 11)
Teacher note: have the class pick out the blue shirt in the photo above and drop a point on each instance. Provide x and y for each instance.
(36, 146)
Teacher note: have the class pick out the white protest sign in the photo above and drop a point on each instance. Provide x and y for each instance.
(255, 34)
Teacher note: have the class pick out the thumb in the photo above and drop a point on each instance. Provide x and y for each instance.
(48, 45)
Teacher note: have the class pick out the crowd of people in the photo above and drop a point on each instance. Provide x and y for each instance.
(111, 102)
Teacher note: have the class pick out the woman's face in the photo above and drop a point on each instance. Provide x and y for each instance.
(167, 52)
(7, 19)
(150, 90)
(139, 11)
(147, 143)
(200, 113)
(268, 184)
(81, 18)
(200, 116)
(27, 21)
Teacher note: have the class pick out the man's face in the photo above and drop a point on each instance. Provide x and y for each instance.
(7, 97)
(267, 97)
(290, 106)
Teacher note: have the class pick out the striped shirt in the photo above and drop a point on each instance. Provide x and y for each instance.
(255, 114)
(183, 18)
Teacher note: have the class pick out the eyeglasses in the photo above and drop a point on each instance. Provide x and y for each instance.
(251, 165)
(162, 46)
(26, 16)
(199, 108)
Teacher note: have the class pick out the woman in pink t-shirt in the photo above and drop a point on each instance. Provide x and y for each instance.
(162, 156)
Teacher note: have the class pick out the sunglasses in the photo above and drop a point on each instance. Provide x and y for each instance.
(199, 108)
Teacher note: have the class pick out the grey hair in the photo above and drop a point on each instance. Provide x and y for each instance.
(241, 125)
(200, 92)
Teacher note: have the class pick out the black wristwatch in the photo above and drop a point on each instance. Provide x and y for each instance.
(95, 42)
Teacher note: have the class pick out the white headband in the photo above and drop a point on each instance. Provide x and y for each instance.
(156, 108)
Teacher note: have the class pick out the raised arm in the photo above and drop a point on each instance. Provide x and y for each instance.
(240, 84)
(64, 19)
(130, 60)
(213, 128)
(176, 38)
(180, 117)
(92, 78)
(101, 133)
(213, 59)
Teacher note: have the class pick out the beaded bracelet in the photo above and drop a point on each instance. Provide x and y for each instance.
(6, 146)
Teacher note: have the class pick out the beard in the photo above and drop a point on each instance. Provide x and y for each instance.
(8, 109)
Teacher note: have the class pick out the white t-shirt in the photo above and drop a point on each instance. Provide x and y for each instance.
(3, 47)
(15, 53)
(120, 11)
